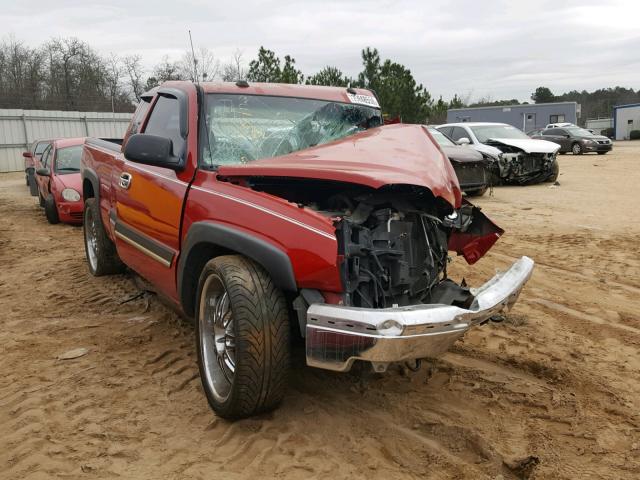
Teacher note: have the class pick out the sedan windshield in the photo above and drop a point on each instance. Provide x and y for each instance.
(579, 132)
(68, 159)
(441, 138)
(243, 128)
(485, 132)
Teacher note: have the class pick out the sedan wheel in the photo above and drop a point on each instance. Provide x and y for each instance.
(576, 149)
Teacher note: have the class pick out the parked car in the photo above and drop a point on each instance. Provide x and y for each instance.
(560, 125)
(537, 131)
(516, 158)
(471, 167)
(58, 180)
(576, 140)
(30, 156)
(244, 202)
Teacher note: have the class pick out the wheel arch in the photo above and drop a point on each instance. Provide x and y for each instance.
(90, 184)
(207, 240)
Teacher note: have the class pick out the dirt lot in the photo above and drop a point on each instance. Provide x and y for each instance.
(552, 392)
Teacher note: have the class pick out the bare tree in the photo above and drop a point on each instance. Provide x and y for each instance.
(204, 67)
(234, 70)
(135, 72)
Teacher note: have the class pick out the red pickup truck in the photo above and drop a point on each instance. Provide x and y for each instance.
(265, 211)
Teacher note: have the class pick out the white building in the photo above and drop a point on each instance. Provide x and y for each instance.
(625, 119)
(598, 124)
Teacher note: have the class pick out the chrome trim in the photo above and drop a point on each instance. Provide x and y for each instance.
(144, 250)
(336, 335)
(266, 210)
(125, 180)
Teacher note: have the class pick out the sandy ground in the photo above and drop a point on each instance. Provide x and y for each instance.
(552, 392)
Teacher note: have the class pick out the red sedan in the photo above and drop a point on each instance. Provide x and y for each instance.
(59, 182)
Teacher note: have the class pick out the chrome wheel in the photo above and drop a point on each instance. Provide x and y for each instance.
(90, 238)
(576, 149)
(217, 338)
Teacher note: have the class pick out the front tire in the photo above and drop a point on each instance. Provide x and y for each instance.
(51, 210)
(477, 193)
(33, 186)
(102, 257)
(602, 153)
(576, 149)
(555, 172)
(242, 337)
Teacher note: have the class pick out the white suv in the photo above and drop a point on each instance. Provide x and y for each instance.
(517, 157)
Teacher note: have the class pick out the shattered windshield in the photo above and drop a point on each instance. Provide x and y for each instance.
(243, 128)
(485, 132)
(68, 159)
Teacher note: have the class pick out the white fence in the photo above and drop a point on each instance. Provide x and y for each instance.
(19, 128)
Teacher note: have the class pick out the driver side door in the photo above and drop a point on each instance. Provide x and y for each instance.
(148, 199)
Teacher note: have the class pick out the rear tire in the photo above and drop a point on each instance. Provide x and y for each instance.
(51, 210)
(102, 257)
(242, 337)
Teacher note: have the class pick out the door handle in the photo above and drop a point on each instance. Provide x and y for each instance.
(125, 180)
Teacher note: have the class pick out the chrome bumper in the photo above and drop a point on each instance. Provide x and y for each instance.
(336, 335)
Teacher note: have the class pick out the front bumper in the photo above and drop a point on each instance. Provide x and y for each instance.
(71, 212)
(600, 147)
(336, 335)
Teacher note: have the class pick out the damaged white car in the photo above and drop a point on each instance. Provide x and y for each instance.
(517, 158)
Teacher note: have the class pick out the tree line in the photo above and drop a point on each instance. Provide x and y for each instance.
(67, 74)
(596, 104)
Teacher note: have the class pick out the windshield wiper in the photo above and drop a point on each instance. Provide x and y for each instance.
(70, 169)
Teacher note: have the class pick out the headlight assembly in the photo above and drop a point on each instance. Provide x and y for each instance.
(70, 195)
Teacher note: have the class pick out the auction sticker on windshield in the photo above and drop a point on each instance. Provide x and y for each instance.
(368, 100)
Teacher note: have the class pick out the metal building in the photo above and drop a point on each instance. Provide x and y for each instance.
(525, 117)
(19, 128)
(625, 119)
(598, 125)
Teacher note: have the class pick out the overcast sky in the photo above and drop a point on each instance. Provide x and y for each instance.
(498, 49)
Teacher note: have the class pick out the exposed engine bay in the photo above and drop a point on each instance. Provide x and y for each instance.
(393, 242)
(518, 166)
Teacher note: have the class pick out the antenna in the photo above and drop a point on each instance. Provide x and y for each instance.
(195, 61)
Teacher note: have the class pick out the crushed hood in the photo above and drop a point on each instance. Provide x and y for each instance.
(393, 154)
(528, 145)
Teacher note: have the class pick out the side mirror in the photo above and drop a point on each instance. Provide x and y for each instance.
(463, 141)
(567, 136)
(43, 172)
(152, 150)
(27, 154)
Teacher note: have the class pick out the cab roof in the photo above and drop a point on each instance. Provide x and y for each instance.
(315, 92)
(67, 142)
